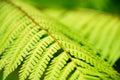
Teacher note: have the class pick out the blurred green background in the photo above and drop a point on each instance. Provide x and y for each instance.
(111, 6)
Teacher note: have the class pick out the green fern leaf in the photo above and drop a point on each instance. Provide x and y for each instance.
(37, 46)
(99, 28)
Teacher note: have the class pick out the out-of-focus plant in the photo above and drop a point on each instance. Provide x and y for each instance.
(110, 6)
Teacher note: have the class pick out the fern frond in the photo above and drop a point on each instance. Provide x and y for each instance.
(43, 62)
(56, 65)
(36, 45)
(35, 53)
(99, 28)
